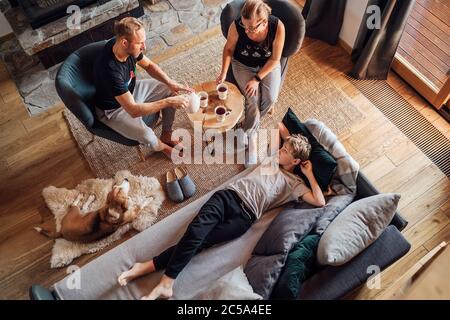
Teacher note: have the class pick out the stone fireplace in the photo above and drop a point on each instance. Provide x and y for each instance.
(54, 40)
(41, 12)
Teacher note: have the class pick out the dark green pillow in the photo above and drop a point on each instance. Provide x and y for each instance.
(299, 266)
(324, 165)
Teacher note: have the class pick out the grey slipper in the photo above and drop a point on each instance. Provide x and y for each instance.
(173, 187)
(186, 183)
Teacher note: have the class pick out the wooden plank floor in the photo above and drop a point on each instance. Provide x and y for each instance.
(39, 151)
(425, 44)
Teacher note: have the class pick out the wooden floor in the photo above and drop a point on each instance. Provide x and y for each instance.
(38, 152)
(425, 44)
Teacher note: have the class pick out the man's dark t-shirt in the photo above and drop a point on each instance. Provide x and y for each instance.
(113, 78)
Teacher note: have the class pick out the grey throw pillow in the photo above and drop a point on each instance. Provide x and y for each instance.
(269, 255)
(355, 228)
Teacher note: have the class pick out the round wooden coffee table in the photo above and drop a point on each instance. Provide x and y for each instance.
(206, 116)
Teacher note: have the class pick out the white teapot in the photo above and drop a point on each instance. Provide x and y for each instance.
(194, 102)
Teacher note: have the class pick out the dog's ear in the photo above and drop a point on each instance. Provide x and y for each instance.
(130, 215)
(111, 195)
(103, 212)
(125, 203)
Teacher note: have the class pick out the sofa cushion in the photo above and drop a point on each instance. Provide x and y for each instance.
(340, 280)
(355, 228)
(324, 165)
(271, 251)
(299, 266)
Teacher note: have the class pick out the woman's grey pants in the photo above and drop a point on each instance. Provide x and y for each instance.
(147, 90)
(269, 89)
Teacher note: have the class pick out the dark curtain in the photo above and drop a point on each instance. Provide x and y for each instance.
(374, 49)
(324, 19)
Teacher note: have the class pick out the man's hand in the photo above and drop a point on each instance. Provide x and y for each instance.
(179, 102)
(176, 87)
(307, 168)
(251, 87)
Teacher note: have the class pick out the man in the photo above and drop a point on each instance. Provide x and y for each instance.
(230, 212)
(126, 105)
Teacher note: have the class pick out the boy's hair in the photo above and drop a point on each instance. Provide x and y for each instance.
(255, 8)
(301, 148)
(127, 27)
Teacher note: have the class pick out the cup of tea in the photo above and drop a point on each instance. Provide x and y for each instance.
(221, 113)
(203, 99)
(222, 91)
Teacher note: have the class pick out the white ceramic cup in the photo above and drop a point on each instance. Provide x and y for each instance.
(221, 113)
(194, 102)
(203, 99)
(222, 91)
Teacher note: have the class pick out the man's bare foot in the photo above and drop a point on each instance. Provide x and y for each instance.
(168, 150)
(139, 269)
(166, 137)
(163, 290)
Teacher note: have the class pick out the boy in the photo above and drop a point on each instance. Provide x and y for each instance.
(230, 212)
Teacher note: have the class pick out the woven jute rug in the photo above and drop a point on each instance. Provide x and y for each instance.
(306, 89)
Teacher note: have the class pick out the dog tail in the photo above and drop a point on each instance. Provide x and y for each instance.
(50, 234)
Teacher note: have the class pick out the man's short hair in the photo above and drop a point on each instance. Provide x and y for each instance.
(301, 148)
(127, 27)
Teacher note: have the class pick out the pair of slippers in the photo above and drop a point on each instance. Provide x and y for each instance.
(179, 184)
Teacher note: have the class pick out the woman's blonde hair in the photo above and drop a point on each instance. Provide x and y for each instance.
(255, 8)
(301, 148)
(127, 27)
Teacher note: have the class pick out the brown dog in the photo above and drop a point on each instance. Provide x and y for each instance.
(97, 224)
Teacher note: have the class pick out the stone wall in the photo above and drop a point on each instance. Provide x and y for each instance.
(169, 22)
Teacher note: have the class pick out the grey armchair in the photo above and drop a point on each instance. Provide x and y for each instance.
(75, 86)
(288, 13)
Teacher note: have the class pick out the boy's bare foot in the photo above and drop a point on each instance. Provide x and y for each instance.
(163, 290)
(139, 269)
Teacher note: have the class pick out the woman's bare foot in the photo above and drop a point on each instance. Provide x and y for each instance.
(163, 290)
(139, 269)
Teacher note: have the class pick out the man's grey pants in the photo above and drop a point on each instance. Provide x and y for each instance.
(269, 88)
(147, 90)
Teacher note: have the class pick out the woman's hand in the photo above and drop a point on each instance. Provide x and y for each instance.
(251, 88)
(221, 78)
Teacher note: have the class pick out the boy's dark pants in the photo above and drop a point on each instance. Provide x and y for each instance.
(222, 218)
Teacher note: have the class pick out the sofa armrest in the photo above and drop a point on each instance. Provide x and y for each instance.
(334, 282)
(38, 292)
(364, 189)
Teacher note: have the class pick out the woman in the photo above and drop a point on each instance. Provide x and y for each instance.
(253, 48)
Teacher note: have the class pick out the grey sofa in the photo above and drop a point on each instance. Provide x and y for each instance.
(99, 276)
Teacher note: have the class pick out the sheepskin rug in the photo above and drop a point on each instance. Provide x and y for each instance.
(144, 191)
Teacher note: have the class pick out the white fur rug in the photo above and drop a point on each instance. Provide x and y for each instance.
(143, 190)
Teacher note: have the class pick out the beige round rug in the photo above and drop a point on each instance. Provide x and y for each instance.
(306, 89)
